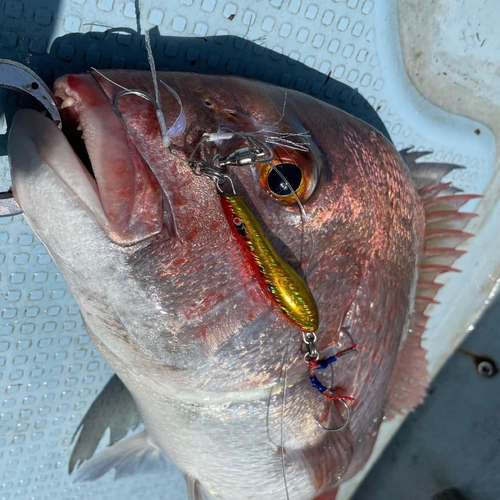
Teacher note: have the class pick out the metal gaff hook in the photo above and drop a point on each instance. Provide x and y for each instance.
(16, 76)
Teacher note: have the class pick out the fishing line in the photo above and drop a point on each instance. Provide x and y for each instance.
(280, 138)
(281, 116)
(303, 218)
(282, 420)
(179, 125)
(111, 81)
(159, 113)
(284, 365)
(152, 66)
(283, 376)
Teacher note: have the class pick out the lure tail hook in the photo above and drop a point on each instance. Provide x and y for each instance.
(344, 425)
(312, 358)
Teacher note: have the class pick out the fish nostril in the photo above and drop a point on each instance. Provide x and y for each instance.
(209, 103)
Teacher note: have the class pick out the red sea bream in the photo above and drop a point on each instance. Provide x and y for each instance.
(216, 370)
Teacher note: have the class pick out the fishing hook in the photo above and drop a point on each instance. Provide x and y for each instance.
(311, 357)
(344, 425)
(167, 134)
(137, 92)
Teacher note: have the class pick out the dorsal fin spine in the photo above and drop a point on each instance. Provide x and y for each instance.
(443, 233)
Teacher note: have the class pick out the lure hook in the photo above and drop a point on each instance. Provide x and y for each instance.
(312, 359)
(344, 425)
(137, 92)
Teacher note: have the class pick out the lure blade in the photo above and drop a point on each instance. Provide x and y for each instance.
(277, 279)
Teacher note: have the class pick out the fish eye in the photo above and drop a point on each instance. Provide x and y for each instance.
(290, 176)
(283, 178)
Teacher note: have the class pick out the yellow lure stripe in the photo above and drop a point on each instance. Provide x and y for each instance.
(277, 278)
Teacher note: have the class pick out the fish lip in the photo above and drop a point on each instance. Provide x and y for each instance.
(34, 141)
(131, 198)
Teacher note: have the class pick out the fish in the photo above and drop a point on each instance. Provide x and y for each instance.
(146, 236)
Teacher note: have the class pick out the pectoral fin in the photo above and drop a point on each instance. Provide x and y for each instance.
(329, 495)
(136, 454)
(115, 409)
(195, 490)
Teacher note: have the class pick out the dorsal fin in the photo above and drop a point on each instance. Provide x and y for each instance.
(444, 226)
(423, 173)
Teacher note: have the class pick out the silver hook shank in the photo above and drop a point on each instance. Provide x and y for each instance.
(344, 425)
(137, 92)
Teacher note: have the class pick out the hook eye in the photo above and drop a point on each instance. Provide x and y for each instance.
(344, 425)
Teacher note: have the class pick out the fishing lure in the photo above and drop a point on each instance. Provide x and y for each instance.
(285, 287)
(276, 277)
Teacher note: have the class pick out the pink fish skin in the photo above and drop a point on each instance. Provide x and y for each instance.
(166, 295)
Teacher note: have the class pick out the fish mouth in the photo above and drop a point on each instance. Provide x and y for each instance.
(115, 183)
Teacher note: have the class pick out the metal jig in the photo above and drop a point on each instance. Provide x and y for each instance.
(16, 76)
(276, 277)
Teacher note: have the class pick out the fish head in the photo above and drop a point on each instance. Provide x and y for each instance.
(150, 257)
